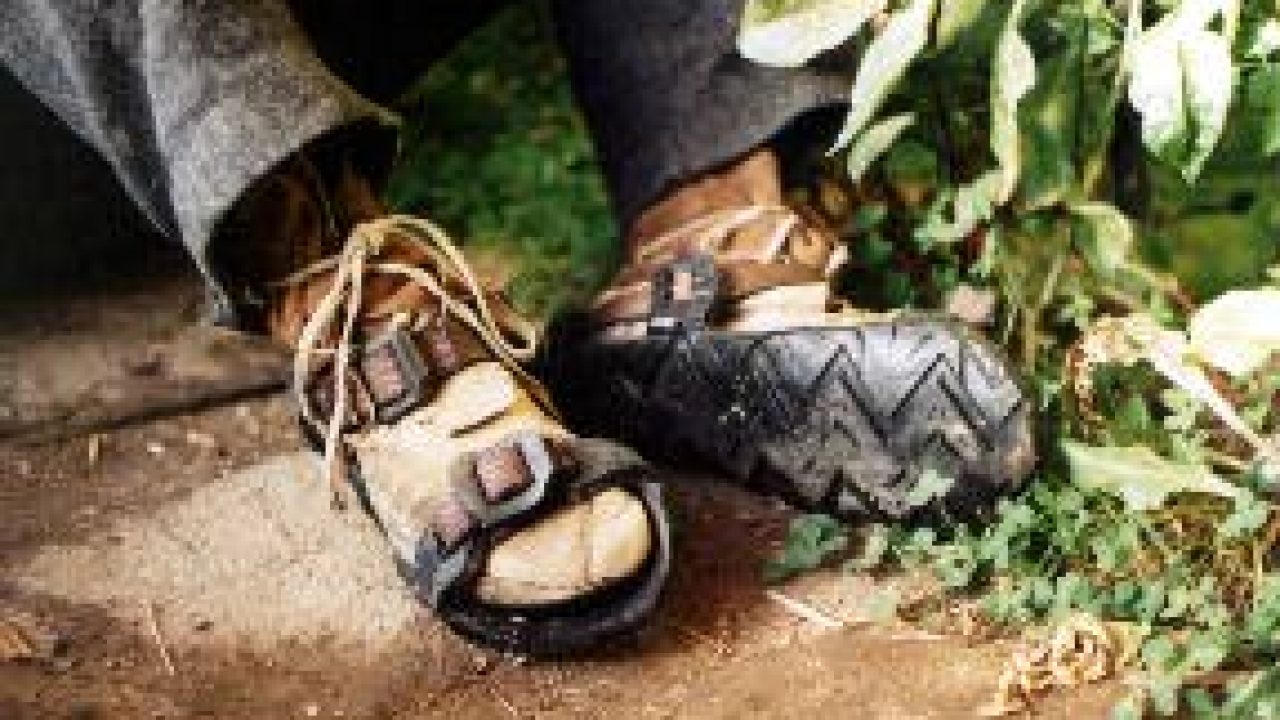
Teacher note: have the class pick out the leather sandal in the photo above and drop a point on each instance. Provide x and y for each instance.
(520, 535)
(721, 342)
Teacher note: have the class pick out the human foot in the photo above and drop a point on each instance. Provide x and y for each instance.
(720, 339)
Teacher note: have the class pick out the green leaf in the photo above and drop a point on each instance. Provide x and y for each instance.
(883, 65)
(1256, 698)
(874, 142)
(811, 539)
(1129, 708)
(789, 33)
(1182, 77)
(1050, 114)
(1265, 41)
(973, 204)
(1249, 515)
(1106, 236)
(955, 17)
(1138, 476)
(875, 549)
(931, 486)
(1262, 107)
(1013, 74)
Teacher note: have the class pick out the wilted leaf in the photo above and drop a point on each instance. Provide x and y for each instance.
(1107, 235)
(1238, 332)
(1139, 476)
(1139, 338)
(1012, 77)
(887, 58)
(1079, 649)
(1181, 83)
(789, 33)
(874, 142)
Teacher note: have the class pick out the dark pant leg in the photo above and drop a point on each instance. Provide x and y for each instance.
(382, 47)
(190, 101)
(668, 97)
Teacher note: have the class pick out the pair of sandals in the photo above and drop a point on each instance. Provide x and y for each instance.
(719, 343)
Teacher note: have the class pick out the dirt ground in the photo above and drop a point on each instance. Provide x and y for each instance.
(192, 566)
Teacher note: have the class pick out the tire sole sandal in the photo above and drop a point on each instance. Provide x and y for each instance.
(447, 577)
(844, 419)
(520, 536)
(444, 563)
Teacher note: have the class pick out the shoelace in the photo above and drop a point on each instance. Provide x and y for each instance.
(344, 299)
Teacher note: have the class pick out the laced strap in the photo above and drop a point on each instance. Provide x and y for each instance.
(342, 302)
(713, 231)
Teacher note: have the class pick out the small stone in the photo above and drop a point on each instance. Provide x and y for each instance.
(311, 710)
(202, 440)
(248, 422)
(95, 448)
(155, 448)
(481, 664)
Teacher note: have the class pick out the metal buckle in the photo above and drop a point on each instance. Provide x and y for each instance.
(684, 293)
(395, 374)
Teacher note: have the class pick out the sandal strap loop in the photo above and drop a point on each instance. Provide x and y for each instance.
(684, 293)
(399, 379)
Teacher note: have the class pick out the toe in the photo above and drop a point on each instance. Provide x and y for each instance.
(577, 550)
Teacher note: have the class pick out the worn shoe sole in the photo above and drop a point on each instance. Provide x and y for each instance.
(845, 421)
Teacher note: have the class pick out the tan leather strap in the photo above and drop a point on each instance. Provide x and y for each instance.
(752, 250)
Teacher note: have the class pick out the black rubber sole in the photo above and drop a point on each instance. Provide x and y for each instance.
(844, 421)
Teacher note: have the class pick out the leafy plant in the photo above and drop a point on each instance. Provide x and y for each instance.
(495, 150)
(1067, 156)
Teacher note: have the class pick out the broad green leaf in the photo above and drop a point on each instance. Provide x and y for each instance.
(1107, 236)
(1013, 74)
(789, 33)
(1139, 476)
(1181, 83)
(1050, 115)
(973, 204)
(1238, 332)
(885, 61)
(1262, 107)
(874, 142)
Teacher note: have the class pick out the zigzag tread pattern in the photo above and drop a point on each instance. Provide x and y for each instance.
(842, 420)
